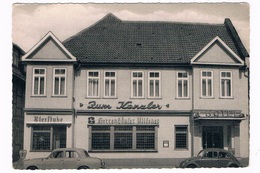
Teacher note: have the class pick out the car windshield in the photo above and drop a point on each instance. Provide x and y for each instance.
(200, 154)
(86, 153)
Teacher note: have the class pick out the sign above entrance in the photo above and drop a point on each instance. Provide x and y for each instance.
(122, 121)
(125, 105)
(206, 114)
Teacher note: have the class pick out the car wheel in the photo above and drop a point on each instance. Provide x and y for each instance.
(32, 168)
(233, 166)
(191, 166)
(83, 167)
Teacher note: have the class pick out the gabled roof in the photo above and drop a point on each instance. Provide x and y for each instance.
(112, 40)
(49, 36)
(237, 60)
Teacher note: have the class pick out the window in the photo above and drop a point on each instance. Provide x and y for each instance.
(110, 84)
(46, 138)
(137, 84)
(93, 84)
(123, 138)
(181, 137)
(206, 84)
(183, 85)
(154, 85)
(226, 84)
(59, 81)
(39, 81)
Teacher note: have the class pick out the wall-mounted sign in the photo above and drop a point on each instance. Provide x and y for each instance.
(218, 114)
(124, 105)
(122, 121)
(49, 119)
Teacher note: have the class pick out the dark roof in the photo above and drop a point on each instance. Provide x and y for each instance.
(112, 40)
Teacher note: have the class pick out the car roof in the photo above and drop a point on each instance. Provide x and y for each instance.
(215, 149)
(69, 149)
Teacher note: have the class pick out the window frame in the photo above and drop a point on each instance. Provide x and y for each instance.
(212, 84)
(88, 77)
(137, 79)
(59, 83)
(231, 84)
(104, 84)
(112, 136)
(154, 78)
(39, 76)
(177, 85)
(187, 137)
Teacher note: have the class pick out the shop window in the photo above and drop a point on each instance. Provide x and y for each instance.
(39, 80)
(123, 138)
(59, 81)
(226, 84)
(93, 84)
(206, 84)
(137, 84)
(46, 138)
(110, 84)
(181, 137)
(154, 88)
(183, 85)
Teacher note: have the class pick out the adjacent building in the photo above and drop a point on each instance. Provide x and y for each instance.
(18, 82)
(139, 94)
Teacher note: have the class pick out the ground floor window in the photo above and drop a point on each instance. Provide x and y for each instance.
(181, 137)
(45, 138)
(123, 137)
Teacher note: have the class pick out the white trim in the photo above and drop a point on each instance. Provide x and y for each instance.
(87, 89)
(177, 86)
(137, 78)
(59, 76)
(104, 82)
(212, 83)
(220, 85)
(241, 62)
(39, 75)
(158, 78)
(51, 35)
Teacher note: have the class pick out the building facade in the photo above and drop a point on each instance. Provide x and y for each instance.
(139, 94)
(18, 90)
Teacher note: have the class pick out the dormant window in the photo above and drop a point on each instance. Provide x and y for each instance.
(93, 84)
(226, 84)
(181, 137)
(39, 80)
(183, 85)
(114, 138)
(137, 84)
(206, 84)
(110, 84)
(59, 81)
(154, 88)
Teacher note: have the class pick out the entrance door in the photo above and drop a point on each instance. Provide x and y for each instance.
(59, 137)
(212, 137)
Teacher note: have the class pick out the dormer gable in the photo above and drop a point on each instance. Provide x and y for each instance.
(216, 52)
(49, 48)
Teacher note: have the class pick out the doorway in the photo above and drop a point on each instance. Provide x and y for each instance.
(212, 137)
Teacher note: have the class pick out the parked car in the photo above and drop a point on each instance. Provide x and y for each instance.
(211, 157)
(63, 158)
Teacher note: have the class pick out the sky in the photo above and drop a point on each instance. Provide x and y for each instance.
(31, 22)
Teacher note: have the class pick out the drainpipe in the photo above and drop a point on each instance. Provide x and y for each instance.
(191, 118)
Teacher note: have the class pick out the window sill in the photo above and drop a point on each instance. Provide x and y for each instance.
(39, 96)
(59, 96)
(207, 97)
(154, 98)
(109, 98)
(135, 98)
(180, 98)
(123, 151)
(226, 97)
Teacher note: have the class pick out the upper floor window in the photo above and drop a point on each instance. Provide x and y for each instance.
(39, 80)
(226, 84)
(207, 84)
(110, 84)
(137, 84)
(93, 84)
(154, 85)
(183, 85)
(59, 81)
